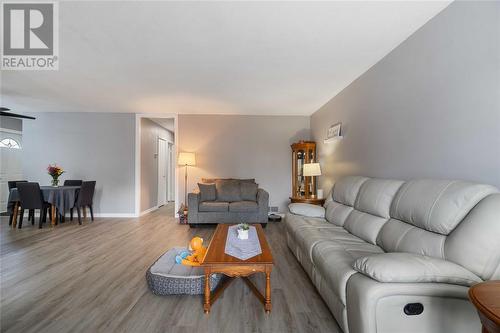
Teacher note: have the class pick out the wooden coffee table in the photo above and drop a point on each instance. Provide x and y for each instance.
(486, 298)
(217, 261)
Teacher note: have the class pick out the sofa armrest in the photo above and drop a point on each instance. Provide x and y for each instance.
(193, 202)
(306, 209)
(410, 267)
(263, 201)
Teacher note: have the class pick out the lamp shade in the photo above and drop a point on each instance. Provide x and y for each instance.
(186, 159)
(312, 169)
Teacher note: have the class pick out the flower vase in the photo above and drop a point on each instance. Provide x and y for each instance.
(55, 182)
(242, 234)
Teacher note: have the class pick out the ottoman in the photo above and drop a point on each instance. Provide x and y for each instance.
(166, 277)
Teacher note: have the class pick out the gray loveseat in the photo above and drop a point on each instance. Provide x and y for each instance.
(228, 201)
(393, 256)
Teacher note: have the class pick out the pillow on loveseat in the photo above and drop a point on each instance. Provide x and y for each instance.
(248, 190)
(208, 192)
(228, 190)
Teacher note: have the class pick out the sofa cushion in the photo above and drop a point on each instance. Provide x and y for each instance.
(243, 206)
(308, 238)
(365, 226)
(375, 196)
(398, 236)
(334, 261)
(228, 190)
(213, 206)
(207, 192)
(409, 268)
(437, 205)
(337, 213)
(248, 190)
(371, 209)
(306, 209)
(346, 189)
(295, 223)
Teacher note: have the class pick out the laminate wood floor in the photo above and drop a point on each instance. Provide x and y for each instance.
(91, 278)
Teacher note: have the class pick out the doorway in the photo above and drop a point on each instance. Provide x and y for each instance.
(171, 172)
(10, 162)
(162, 172)
(155, 156)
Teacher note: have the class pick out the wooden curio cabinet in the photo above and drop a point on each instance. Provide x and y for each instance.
(302, 152)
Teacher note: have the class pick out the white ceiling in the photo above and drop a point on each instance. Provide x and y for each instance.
(283, 58)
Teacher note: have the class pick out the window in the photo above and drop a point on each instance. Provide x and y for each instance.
(9, 143)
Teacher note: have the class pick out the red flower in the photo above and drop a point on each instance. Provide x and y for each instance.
(54, 170)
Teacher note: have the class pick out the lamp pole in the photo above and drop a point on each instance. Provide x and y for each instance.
(185, 184)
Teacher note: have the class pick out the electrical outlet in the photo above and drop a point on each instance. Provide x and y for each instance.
(273, 209)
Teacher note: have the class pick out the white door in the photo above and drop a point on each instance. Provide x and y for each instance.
(171, 172)
(162, 172)
(10, 164)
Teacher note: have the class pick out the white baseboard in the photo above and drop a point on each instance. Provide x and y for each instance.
(147, 211)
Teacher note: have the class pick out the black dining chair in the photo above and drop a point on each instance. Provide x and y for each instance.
(69, 182)
(31, 197)
(84, 199)
(73, 182)
(13, 184)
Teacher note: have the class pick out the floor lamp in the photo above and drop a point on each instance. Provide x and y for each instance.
(186, 159)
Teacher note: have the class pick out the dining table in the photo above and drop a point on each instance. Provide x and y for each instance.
(60, 198)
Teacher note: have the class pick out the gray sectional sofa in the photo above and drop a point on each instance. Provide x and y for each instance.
(228, 201)
(394, 256)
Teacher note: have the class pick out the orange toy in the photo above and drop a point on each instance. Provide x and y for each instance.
(197, 254)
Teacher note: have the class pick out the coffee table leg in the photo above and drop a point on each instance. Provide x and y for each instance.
(267, 304)
(206, 304)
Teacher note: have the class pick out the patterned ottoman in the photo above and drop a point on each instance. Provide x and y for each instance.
(165, 277)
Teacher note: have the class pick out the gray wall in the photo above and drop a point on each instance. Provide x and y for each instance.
(242, 147)
(150, 132)
(89, 146)
(430, 108)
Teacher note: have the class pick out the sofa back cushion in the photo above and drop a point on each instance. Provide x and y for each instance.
(346, 189)
(343, 196)
(212, 180)
(248, 190)
(475, 242)
(228, 190)
(208, 192)
(337, 213)
(371, 208)
(399, 236)
(437, 205)
(424, 212)
(376, 195)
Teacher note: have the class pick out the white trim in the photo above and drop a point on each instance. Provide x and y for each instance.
(165, 151)
(138, 117)
(6, 130)
(147, 211)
